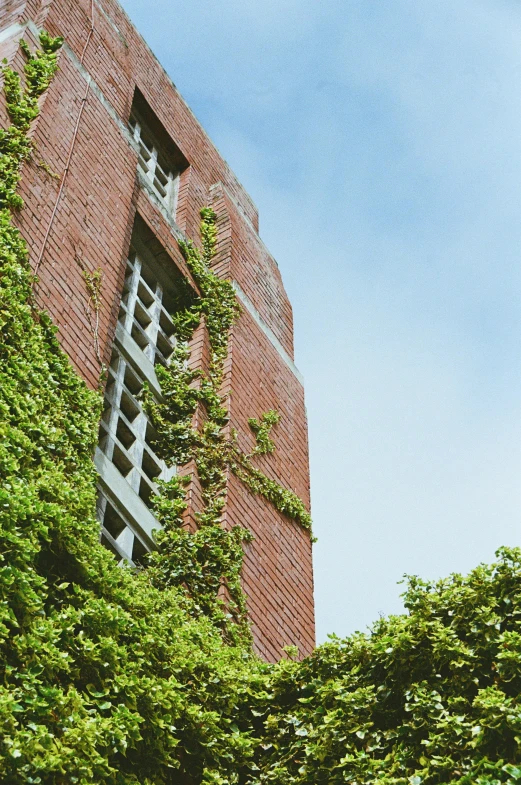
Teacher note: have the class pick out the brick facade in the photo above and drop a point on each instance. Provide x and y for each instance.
(89, 102)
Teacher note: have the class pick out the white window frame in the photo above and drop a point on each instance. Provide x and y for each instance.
(126, 461)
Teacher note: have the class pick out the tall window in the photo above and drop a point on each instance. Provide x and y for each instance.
(160, 160)
(126, 461)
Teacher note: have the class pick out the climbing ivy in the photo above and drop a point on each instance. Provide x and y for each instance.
(213, 450)
(262, 429)
(93, 285)
(22, 107)
(208, 560)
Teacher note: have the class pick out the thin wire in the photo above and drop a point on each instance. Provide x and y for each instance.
(91, 31)
(71, 147)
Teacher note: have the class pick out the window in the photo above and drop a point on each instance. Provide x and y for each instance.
(126, 461)
(153, 165)
(160, 160)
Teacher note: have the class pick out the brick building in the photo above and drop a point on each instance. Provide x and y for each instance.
(120, 171)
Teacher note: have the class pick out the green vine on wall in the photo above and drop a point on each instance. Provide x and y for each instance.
(93, 284)
(208, 561)
(22, 107)
(173, 417)
(262, 429)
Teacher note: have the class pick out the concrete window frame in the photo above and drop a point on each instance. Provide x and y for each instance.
(127, 464)
(160, 160)
(154, 165)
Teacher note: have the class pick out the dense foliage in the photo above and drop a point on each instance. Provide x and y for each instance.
(123, 677)
(430, 697)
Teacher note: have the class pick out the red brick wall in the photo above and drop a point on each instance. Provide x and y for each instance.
(92, 226)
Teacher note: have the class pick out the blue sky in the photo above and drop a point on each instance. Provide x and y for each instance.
(381, 142)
